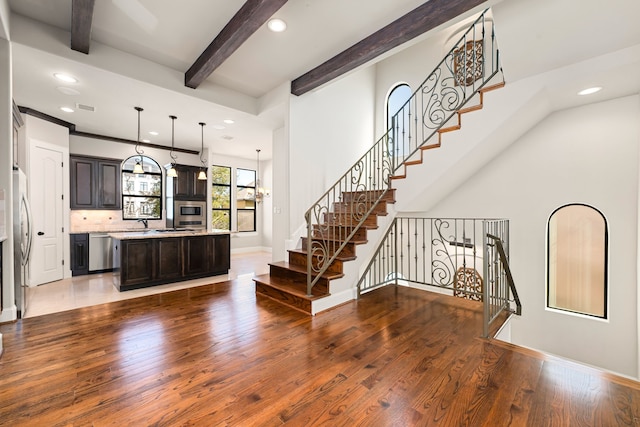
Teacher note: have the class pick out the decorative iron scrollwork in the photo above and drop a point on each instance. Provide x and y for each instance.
(442, 264)
(468, 284)
(468, 63)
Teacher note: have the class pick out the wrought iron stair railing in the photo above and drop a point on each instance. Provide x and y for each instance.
(463, 257)
(338, 214)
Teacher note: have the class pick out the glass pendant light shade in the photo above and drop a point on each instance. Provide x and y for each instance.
(202, 175)
(171, 173)
(138, 168)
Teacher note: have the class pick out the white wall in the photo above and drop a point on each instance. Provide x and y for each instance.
(280, 192)
(4, 19)
(329, 130)
(585, 155)
(410, 66)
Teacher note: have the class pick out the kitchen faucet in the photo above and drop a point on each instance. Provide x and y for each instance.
(145, 222)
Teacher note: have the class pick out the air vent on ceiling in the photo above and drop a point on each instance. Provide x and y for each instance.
(227, 137)
(85, 107)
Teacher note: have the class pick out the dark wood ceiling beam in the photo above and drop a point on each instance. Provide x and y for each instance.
(418, 21)
(81, 17)
(251, 16)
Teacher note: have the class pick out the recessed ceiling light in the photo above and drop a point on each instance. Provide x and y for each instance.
(67, 90)
(219, 127)
(277, 25)
(229, 121)
(67, 109)
(590, 90)
(154, 133)
(65, 78)
(145, 140)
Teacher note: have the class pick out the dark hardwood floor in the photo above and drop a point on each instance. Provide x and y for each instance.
(218, 355)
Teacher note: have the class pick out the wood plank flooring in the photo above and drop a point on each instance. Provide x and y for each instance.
(218, 355)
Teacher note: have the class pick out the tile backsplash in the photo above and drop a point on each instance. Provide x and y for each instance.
(82, 221)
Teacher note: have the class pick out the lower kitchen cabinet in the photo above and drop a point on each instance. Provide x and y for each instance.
(136, 262)
(79, 254)
(144, 262)
(169, 258)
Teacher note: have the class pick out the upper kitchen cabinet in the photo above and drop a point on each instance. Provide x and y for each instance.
(187, 186)
(95, 183)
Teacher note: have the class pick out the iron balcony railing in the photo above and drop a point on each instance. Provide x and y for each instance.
(463, 257)
(344, 208)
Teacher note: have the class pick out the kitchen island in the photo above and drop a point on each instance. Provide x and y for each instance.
(154, 257)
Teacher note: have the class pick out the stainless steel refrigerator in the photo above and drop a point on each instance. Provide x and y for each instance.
(22, 239)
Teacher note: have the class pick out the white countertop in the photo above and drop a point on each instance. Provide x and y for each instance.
(156, 234)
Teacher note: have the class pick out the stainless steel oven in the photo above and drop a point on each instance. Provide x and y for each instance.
(190, 214)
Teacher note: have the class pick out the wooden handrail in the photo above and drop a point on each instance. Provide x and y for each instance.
(507, 270)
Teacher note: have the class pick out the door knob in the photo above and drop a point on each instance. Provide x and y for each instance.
(40, 233)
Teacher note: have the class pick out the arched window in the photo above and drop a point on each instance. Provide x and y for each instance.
(141, 192)
(398, 116)
(577, 238)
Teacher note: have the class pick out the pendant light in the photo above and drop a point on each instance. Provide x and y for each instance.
(202, 175)
(261, 192)
(172, 171)
(138, 169)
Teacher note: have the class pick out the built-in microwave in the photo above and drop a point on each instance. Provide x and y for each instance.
(189, 214)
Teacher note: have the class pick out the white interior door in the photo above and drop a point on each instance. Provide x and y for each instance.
(45, 194)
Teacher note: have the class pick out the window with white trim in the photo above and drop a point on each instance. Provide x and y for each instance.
(577, 250)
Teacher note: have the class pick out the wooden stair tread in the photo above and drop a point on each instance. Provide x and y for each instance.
(492, 87)
(449, 128)
(340, 257)
(430, 146)
(286, 286)
(333, 239)
(365, 226)
(413, 162)
(301, 269)
(470, 109)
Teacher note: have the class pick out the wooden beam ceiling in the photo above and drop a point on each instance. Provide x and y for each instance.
(81, 17)
(251, 16)
(418, 21)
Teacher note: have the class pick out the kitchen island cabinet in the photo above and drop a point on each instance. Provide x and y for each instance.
(155, 258)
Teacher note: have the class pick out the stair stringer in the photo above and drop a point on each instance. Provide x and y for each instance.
(507, 114)
(345, 289)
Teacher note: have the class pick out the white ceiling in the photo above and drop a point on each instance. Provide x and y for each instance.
(140, 50)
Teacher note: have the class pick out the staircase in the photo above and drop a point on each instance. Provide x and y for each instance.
(341, 218)
(287, 280)
(418, 158)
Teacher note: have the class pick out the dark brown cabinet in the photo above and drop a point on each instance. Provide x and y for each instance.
(95, 183)
(169, 258)
(136, 267)
(154, 261)
(79, 254)
(187, 186)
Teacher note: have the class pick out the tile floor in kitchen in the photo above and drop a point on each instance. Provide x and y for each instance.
(93, 289)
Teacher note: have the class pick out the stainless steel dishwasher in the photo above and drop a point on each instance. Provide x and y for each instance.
(100, 252)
